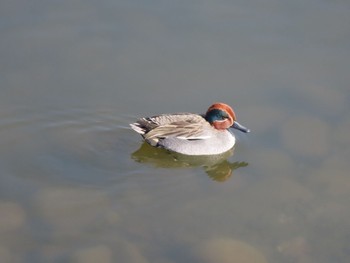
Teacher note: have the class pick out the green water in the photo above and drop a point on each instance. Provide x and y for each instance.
(77, 185)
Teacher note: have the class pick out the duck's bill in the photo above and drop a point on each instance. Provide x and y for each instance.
(240, 127)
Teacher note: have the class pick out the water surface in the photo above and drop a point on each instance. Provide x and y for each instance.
(77, 185)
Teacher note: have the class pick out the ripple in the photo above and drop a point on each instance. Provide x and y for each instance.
(67, 144)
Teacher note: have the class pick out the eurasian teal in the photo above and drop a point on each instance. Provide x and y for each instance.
(192, 134)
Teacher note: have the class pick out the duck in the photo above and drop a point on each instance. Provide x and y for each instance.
(191, 133)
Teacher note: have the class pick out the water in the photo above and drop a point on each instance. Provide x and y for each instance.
(77, 185)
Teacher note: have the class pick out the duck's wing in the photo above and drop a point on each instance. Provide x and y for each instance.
(184, 126)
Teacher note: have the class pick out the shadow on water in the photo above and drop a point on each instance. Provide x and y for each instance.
(217, 167)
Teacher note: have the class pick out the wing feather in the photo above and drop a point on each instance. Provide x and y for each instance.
(184, 126)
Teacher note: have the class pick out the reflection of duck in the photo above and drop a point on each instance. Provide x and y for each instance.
(216, 166)
(192, 134)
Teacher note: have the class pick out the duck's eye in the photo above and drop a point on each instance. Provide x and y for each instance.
(224, 116)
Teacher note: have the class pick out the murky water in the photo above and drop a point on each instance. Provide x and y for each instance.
(77, 185)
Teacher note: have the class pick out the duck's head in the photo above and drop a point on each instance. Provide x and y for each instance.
(221, 116)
